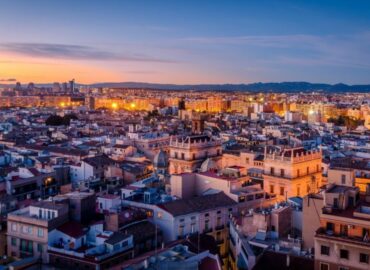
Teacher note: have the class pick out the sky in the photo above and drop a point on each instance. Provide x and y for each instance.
(185, 42)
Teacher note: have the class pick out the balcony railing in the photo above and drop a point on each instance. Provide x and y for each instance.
(328, 234)
(220, 241)
(220, 227)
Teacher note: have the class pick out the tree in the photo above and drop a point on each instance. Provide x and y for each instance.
(56, 120)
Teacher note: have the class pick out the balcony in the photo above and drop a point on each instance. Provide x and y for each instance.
(220, 241)
(207, 230)
(330, 235)
(220, 227)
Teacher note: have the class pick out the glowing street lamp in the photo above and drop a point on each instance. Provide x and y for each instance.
(114, 106)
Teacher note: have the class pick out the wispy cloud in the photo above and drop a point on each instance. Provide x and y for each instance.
(142, 72)
(76, 52)
(266, 41)
(8, 80)
(334, 50)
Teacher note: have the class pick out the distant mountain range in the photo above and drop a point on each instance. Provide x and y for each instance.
(290, 87)
(254, 87)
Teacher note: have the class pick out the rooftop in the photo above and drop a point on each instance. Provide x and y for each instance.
(197, 204)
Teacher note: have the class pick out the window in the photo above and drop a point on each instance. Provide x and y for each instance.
(364, 258)
(181, 230)
(40, 232)
(124, 243)
(325, 250)
(39, 247)
(271, 188)
(324, 266)
(193, 156)
(281, 191)
(206, 225)
(344, 254)
(272, 170)
(329, 226)
(343, 179)
(343, 268)
(182, 156)
(308, 170)
(298, 191)
(14, 242)
(24, 229)
(282, 172)
(298, 173)
(219, 221)
(14, 227)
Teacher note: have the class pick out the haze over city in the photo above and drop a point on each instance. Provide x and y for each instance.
(186, 42)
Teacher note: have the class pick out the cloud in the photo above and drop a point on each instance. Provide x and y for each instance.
(8, 80)
(75, 52)
(141, 72)
(303, 50)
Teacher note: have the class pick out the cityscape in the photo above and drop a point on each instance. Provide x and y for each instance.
(197, 135)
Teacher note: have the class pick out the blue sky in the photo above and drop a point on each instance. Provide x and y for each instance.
(185, 41)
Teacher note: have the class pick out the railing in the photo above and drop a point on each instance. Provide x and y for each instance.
(220, 241)
(220, 227)
(323, 233)
(114, 252)
(66, 252)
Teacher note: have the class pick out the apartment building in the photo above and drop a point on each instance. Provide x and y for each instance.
(28, 229)
(342, 240)
(188, 153)
(291, 171)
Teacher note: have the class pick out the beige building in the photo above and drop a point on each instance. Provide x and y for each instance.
(28, 229)
(342, 240)
(188, 153)
(290, 172)
(239, 188)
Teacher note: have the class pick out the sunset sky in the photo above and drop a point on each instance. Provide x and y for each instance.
(185, 41)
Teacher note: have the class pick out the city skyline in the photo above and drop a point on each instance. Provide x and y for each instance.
(185, 43)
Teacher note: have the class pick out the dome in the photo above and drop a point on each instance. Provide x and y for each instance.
(160, 160)
(208, 165)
